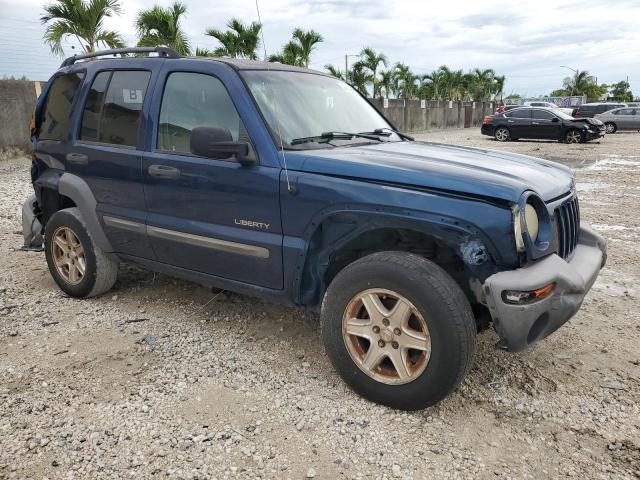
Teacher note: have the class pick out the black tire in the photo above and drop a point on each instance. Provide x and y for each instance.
(100, 269)
(435, 295)
(570, 135)
(502, 134)
(611, 127)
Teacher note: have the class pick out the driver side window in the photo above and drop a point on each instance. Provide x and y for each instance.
(195, 100)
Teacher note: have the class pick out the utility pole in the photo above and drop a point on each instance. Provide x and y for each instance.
(346, 65)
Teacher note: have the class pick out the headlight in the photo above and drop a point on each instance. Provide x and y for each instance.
(532, 224)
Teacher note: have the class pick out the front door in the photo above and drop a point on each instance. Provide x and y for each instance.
(546, 124)
(519, 123)
(212, 216)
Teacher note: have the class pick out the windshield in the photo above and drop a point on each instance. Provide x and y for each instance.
(309, 106)
(563, 115)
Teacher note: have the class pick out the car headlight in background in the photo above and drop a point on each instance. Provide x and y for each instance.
(532, 224)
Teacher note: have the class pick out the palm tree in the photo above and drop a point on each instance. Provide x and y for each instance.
(372, 61)
(359, 77)
(333, 71)
(83, 20)
(580, 83)
(498, 86)
(386, 83)
(404, 80)
(203, 52)
(238, 41)
(159, 26)
(291, 55)
(306, 41)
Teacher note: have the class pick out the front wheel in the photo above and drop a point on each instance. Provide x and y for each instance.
(611, 127)
(502, 134)
(76, 263)
(573, 136)
(398, 329)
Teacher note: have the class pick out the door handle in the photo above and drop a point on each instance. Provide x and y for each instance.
(510, 121)
(77, 158)
(164, 171)
(535, 123)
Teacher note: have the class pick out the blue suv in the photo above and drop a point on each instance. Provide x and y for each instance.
(283, 182)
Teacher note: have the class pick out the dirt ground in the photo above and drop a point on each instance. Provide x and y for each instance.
(161, 378)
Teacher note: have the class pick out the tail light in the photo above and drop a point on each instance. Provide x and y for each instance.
(488, 120)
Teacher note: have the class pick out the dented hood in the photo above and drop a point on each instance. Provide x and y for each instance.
(474, 171)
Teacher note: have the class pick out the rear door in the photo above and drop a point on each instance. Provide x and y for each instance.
(212, 216)
(519, 122)
(544, 126)
(107, 155)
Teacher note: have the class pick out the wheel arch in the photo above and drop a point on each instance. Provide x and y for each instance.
(345, 236)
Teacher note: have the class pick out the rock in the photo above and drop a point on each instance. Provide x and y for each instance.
(311, 473)
(614, 385)
(300, 425)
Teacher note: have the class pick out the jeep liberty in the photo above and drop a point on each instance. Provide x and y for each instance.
(283, 182)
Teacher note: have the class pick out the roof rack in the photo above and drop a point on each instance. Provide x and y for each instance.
(164, 52)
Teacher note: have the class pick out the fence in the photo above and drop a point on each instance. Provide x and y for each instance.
(420, 115)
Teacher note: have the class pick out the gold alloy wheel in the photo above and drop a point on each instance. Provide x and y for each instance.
(68, 255)
(386, 336)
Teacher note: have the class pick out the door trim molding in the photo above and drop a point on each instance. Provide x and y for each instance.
(208, 242)
(188, 238)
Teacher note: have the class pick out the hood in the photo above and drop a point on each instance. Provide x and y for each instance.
(592, 121)
(473, 171)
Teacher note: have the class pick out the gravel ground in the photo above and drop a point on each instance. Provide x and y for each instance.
(161, 378)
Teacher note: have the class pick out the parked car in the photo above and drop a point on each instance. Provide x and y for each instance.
(541, 123)
(568, 111)
(620, 119)
(282, 182)
(589, 110)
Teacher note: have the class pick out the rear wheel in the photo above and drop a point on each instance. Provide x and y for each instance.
(573, 136)
(502, 134)
(611, 127)
(76, 263)
(398, 329)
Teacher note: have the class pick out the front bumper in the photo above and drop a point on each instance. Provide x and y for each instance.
(595, 134)
(520, 326)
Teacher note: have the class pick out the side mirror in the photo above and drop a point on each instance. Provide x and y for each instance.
(555, 119)
(217, 143)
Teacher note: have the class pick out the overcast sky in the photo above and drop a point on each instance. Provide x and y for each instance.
(526, 41)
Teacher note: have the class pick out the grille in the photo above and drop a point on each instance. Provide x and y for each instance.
(568, 226)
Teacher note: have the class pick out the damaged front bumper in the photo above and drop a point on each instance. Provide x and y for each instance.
(521, 325)
(31, 227)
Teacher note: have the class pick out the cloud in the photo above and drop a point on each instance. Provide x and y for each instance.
(521, 40)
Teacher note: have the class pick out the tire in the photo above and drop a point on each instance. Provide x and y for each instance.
(611, 127)
(502, 134)
(83, 269)
(572, 136)
(436, 298)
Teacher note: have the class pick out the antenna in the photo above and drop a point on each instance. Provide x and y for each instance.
(290, 189)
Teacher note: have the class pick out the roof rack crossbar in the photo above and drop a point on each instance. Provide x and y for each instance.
(164, 52)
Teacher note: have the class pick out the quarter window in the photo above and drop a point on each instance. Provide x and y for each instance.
(57, 107)
(113, 108)
(194, 100)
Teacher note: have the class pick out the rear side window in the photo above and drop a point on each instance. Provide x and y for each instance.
(113, 108)
(624, 111)
(194, 100)
(519, 113)
(57, 106)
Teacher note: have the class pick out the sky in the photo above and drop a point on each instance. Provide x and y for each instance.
(528, 41)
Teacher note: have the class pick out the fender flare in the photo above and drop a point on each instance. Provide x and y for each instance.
(77, 190)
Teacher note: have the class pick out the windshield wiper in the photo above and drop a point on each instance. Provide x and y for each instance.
(327, 136)
(387, 132)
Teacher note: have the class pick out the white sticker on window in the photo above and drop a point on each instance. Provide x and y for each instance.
(329, 102)
(131, 96)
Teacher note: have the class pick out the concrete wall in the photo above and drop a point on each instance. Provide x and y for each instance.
(410, 116)
(17, 101)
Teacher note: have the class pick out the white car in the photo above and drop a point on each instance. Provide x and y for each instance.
(568, 111)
